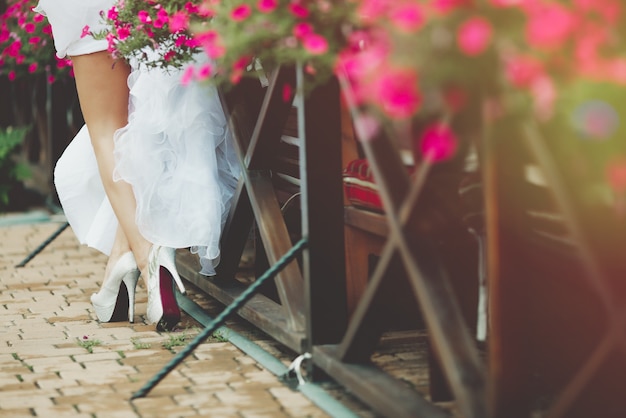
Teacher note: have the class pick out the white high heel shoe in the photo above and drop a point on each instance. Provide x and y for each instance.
(162, 306)
(116, 299)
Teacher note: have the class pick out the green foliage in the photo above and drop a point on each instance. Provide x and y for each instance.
(11, 172)
(176, 340)
(88, 344)
(140, 345)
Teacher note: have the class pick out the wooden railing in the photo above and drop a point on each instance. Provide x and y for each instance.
(309, 311)
(334, 302)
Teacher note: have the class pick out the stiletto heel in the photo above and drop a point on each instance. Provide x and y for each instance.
(116, 299)
(162, 306)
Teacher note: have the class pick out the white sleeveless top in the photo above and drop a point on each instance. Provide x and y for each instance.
(68, 19)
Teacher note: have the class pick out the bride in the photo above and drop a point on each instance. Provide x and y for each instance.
(152, 170)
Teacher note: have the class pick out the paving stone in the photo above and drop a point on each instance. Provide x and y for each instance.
(45, 313)
(16, 413)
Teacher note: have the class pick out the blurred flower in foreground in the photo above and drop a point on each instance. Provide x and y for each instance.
(595, 119)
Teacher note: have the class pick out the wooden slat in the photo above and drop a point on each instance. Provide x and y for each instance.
(322, 213)
(260, 311)
(235, 233)
(366, 220)
(385, 394)
(272, 118)
(276, 242)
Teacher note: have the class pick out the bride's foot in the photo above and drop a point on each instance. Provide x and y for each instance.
(162, 306)
(116, 299)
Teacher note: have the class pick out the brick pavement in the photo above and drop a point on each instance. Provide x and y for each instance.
(47, 325)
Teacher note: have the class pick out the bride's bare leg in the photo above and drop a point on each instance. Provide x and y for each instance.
(103, 92)
(120, 247)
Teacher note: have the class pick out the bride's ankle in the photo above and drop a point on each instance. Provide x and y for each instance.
(141, 257)
(114, 257)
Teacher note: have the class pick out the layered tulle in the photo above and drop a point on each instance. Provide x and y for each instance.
(177, 154)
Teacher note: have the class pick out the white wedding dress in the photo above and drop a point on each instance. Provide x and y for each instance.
(176, 152)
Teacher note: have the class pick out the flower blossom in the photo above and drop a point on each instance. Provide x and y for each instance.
(407, 17)
(298, 10)
(266, 6)
(315, 44)
(241, 13)
(549, 26)
(474, 36)
(179, 21)
(438, 143)
(144, 16)
(396, 92)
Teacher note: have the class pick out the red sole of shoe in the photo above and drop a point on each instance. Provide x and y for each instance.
(171, 312)
(120, 312)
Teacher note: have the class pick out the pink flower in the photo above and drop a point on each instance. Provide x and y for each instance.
(396, 92)
(549, 26)
(407, 17)
(11, 75)
(438, 143)
(609, 10)
(266, 6)
(506, 3)
(144, 16)
(29, 28)
(180, 40)
(205, 71)
(241, 12)
(62, 63)
(169, 55)
(161, 19)
(241, 63)
(112, 14)
(34, 40)
(370, 10)
(315, 44)
(474, 36)
(210, 42)
(32, 67)
(302, 29)
(123, 33)
(298, 10)
(187, 76)
(287, 92)
(447, 6)
(179, 21)
(522, 70)
(86, 31)
(191, 8)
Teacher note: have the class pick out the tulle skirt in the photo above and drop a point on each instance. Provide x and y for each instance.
(177, 154)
